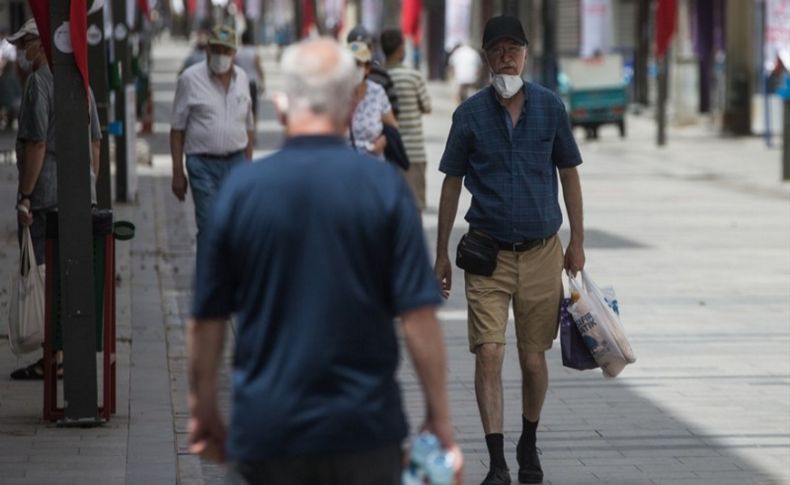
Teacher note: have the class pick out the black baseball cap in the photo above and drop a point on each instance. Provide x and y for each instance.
(359, 34)
(503, 27)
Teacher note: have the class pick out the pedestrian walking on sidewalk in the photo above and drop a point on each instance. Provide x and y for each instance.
(506, 145)
(212, 124)
(36, 151)
(249, 59)
(466, 67)
(198, 54)
(414, 102)
(315, 249)
(373, 109)
(377, 73)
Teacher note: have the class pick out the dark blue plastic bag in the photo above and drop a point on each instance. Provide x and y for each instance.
(575, 353)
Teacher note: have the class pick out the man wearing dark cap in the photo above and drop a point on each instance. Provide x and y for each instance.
(510, 141)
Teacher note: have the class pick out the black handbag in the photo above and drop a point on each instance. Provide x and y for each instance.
(477, 253)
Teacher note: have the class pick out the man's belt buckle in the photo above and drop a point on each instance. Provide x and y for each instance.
(525, 245)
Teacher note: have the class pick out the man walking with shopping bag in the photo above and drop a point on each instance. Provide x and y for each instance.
(509, 142)
(37, 153)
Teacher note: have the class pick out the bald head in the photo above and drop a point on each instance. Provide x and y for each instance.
(319, 80)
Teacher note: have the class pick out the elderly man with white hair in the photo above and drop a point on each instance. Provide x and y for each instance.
(316, 250)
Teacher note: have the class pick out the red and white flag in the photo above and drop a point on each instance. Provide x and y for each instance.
(666, 20)
(77, 28)
(410, 20)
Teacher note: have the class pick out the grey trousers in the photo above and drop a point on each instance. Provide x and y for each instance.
(381, 466)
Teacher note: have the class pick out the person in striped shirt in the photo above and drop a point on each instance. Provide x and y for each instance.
(414, 102)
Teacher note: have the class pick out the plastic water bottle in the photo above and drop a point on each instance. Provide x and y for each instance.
(429, 463)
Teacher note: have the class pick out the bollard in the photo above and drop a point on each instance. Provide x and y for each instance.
(784, 93)
(786, 141)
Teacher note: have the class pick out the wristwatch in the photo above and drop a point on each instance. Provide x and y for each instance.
(20, 196)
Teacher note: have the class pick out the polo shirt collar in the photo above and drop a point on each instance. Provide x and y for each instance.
(313, 141)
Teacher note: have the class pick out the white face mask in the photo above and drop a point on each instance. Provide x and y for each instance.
(507, 85)
(220, 64)
(23, 63)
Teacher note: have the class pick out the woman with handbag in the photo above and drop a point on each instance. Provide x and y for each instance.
(373, 108)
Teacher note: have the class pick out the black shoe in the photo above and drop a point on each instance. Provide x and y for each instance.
(497, 476)
(529, 470)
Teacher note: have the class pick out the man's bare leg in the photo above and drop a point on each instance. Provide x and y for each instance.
(488, 385)
(534, 384)
(488, 388)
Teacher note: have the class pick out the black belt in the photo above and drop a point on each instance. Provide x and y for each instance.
(520, 246)
(219, 157)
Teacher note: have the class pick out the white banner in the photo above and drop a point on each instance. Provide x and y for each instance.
(597, 27)
(201, 9)
(458, 23)
(371, 15)
(777, 33)
(252, 9)
(333, 12)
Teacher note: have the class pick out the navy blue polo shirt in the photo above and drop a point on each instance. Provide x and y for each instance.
(315, 249)
(511, 171)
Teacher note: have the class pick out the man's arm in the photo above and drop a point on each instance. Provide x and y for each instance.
(179, 184)
(34, 161)
(250, 144)
(448, 206)
(572, 193)
(423, 97)
(95, 156)
(34, 153)
(205, 341)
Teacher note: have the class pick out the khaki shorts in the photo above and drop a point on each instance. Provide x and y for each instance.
(533, 281)
(415, 177)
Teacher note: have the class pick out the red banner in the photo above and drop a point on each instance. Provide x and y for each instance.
(666, 15)
(411, 18)
(78, 32)
(308, 20)
(144, 8)
(78, 28)
(40, 9)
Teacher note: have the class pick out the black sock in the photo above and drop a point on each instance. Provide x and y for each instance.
(528, 432)
(496, 449)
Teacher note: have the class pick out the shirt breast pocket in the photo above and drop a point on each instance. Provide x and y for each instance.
(539, 160)
(243, 107)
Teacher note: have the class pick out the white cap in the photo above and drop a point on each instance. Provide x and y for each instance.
(29, 28)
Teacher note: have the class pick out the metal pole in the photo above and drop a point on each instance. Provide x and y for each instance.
(786, 141)
(737, 111)
(549, 12)
(298, 14)
(123, 58)
(97, 65)
(75, 232)
(642, 52)
(436, 27)
(661, 109)
(510, 7)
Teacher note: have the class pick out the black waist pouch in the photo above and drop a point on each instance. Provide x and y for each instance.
(477, 253)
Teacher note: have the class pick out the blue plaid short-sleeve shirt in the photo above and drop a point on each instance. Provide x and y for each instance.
(512, 172)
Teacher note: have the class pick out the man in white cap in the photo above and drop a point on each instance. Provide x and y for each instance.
(36, 151)
(212, 123)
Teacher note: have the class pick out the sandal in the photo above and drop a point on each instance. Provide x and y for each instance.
(34, 372)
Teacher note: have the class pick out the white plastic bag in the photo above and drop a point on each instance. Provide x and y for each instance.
(26, 307)
(600, 326)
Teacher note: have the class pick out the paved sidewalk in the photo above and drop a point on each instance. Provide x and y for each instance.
(694, 236)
